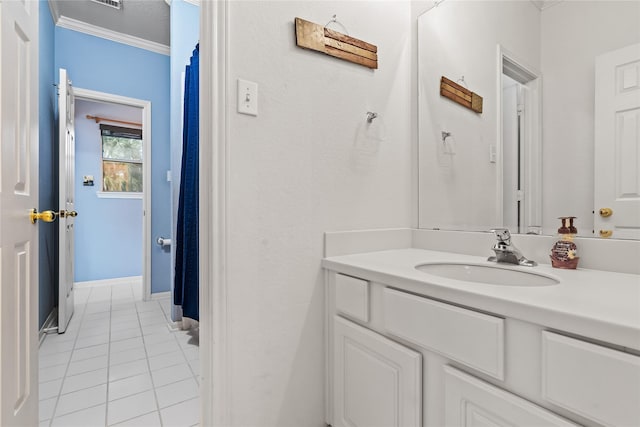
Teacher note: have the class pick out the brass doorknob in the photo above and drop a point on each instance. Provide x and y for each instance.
(46, 216)
(72, 214)
(605, 212)
(606, 233)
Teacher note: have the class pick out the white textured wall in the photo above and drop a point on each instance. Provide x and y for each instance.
(307, 164)
(455, 39)
(573, 34)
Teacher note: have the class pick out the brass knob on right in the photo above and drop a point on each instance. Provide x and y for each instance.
(64, 214)
(606, 233)
(606, 212)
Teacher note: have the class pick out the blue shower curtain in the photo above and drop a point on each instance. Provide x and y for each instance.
(185, 291)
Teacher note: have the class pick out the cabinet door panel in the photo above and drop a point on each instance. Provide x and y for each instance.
(378, 383)
(594, 381)
(466, 336)
(352, 297)
(471, 402)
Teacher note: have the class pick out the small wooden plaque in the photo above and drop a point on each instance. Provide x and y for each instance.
(316, 37)
(460, 94)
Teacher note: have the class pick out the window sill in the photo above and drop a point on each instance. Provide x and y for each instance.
(116, 195)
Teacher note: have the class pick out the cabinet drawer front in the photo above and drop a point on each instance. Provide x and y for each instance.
(352, 297)
(472, 402)
(468, 337)
(378, 382)
(591, 380)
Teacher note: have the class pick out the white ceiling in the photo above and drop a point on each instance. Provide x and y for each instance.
(146, 19)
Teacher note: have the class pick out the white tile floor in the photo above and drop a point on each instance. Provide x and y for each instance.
(118, 364)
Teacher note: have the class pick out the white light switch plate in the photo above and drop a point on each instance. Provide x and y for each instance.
(247, 97)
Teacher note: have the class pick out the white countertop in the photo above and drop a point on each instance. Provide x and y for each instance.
(596, 304)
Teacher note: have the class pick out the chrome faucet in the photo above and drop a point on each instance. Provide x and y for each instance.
(506, 252)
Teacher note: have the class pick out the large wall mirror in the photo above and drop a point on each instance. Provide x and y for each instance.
(559, 132)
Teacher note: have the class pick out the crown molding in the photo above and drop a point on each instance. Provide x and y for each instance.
(83, 27)
(55, 14)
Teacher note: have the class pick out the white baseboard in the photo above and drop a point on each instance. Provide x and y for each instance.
(134, 280)
(161, 295)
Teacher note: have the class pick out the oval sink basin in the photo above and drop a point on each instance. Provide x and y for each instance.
(488, 274)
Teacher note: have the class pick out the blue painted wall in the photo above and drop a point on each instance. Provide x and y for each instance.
(185, 33)
(102, 65)
(48, 166)
(108, 234)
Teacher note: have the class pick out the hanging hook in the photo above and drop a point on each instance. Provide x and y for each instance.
(462, 82)
(445, 135)
(371, 116)
(334, 20)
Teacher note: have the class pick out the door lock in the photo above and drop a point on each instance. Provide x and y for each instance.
(606, 212)
(64, 214)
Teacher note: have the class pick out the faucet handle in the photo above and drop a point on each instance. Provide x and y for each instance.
(502, 234)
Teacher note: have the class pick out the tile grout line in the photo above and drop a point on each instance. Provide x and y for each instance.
(137, 416)
(78, 410)
(139, 314)
(193, 376)
(108, 360)
(153, 384)
(149, 373)
(75, 340)
(106, 403)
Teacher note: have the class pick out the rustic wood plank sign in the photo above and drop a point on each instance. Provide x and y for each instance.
(460, 94)
(319, 38)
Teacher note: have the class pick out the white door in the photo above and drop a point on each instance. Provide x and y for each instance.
(18, 195)
(471, 402)
(511, 189)
(378, 382)
(617, 144)
(67, 152)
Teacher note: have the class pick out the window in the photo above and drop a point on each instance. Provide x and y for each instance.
(121, 159)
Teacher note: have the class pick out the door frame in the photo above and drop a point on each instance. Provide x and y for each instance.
(532, 133)
(215, 384)
(91, 95)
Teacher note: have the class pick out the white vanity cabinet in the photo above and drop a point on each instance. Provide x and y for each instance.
(472, 338)
(471, 402)
(377, 381)
(594, 381)
(398, 358)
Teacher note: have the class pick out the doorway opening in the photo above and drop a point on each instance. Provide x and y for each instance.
(519, 144)
(117, 361)
(126, 237)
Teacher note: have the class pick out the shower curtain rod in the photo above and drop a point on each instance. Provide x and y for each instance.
(105, 119)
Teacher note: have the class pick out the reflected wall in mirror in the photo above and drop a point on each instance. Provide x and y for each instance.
(530, 157)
